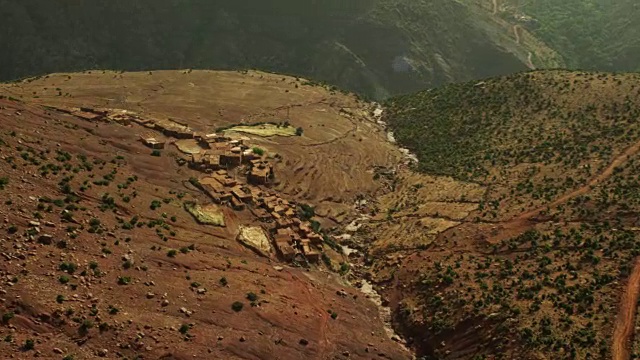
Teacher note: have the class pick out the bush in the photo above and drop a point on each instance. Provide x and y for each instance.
(6, 317)
(184, 329)
(258, 151)
(237, 306)
(299, 131)
(172, 253)
(29, 345)
(252, 296)
(4, 181)
(223, 281)
(155, 153)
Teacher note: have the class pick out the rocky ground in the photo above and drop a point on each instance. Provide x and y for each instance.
(101, 260)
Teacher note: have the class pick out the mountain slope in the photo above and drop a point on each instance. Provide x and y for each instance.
(101, 258)
(376, 48)
(588, 34)
(536, 264)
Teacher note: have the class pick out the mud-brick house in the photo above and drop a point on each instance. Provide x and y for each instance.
(312, 256)
(241, 194)
(211, 162)
(261, 214)
(209, 140)
(153, 143)
(231, 158)
(237, 204)
(283, 244)
(260, 174)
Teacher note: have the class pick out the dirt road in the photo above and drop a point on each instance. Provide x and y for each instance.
(605, 174)
(495, 7)
(623, 331)
(516, 31)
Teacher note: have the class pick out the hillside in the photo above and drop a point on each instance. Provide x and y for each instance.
(375, 48)
(521, 236)
(588, 34)
(104, 255)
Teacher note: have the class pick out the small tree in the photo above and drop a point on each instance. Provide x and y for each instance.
(237, 306)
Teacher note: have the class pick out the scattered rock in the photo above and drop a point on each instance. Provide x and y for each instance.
(103, 352)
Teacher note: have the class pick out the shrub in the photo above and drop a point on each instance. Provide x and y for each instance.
(252, 296)
(6, 317)
(172, 253)
(258, 151)
(223, 281)
(155, 204)
(184, 329)
(155, 153)
(29, 344)
(237, 306)
(299, 131)
(124, 280)
(68, 267)
(4, 181)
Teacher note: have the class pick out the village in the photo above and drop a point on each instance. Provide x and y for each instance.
(215, 155)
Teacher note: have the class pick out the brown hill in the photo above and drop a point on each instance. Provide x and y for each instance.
(101, 259)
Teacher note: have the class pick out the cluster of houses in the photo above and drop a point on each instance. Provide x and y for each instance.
(292, 236)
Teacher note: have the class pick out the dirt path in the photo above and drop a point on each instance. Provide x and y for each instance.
(516, 31)
(605, 174)
(530, 61)
(625, 321)
(495, 7)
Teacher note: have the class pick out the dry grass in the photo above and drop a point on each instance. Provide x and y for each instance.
(207, 214)
(265, 130)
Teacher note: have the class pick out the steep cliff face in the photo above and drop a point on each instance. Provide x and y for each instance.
(377, 47)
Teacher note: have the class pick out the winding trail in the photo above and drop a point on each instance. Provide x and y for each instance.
(605, 174)
(495, 7)
(625, 321)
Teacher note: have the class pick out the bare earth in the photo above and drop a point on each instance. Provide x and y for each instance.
(166, 291)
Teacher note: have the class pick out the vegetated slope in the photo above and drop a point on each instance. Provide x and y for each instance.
(375, 48)
(589, 34)
(536, 135)
(100, 260)
(539, 269)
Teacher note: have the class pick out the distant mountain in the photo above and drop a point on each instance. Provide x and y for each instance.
(588, 34)
(374, 47)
